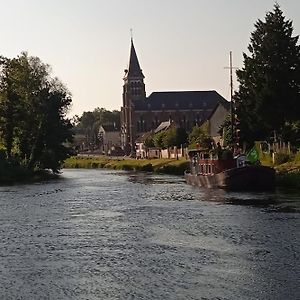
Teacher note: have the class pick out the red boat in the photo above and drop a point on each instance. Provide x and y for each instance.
(211, 171)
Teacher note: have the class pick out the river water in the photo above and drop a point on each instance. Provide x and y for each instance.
(100, 234)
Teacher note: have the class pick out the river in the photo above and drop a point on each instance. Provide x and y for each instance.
(103, 234)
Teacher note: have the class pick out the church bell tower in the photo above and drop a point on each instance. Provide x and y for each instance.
(133, 90)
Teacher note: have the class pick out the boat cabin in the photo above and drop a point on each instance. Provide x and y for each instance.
(205, 163)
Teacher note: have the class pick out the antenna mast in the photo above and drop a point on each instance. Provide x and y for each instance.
(231, 97)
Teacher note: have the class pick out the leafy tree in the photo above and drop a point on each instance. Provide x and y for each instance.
(269, 91)
(181, 136)
(33, 109)
(199, 137)
(158, 139)
(149, 141)
(225, 131)
(90, 122)
(170, 138)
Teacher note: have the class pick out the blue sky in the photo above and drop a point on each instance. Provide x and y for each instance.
(181, 45)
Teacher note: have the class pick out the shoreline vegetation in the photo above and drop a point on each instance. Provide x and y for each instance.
(163, 166)
(287, 174)
(18, 175)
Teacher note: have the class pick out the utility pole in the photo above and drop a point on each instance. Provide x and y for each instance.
(231, 97)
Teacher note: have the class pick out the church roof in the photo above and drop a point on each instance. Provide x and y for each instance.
(134, 69)
(181, 100)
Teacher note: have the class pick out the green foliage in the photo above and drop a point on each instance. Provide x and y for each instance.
(291, 132)
(297, 156)
(158, 139)
(149, 143)
(170, 138)
(33, 107)
(281, 158)
(225, 131)
(90, 122)
(199, 137)
(181, 137)
(268, 94)
(167, 166)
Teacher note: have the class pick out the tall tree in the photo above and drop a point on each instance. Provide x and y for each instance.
(269, 91)
(199, 137)
(33, 109)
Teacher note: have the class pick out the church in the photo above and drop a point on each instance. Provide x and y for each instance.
(140, 114)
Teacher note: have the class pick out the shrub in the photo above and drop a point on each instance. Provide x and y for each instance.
(281, 158)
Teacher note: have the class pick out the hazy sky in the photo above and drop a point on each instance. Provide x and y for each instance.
(181, 44)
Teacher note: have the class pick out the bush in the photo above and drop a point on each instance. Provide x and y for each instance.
(147, 168)
(281, 158)
(297, 156)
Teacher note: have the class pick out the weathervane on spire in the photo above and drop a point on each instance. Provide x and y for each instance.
(131, 33)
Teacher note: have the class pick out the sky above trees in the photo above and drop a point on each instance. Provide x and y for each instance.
(181, 45)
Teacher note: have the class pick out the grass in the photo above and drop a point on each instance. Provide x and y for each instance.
(288, 173)
(166, 166)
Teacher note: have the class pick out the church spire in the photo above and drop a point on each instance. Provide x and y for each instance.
(134, 69)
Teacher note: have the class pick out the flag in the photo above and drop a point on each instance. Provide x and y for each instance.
(253, 155)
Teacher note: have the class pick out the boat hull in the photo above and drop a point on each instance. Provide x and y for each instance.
(253, 177)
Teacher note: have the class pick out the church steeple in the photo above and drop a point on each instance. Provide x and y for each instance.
(134, 87)
(134, 69)
(133, 91)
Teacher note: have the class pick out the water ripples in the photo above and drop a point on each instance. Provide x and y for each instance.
(99, 234)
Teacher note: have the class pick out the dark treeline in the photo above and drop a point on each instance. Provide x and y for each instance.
(33, 123)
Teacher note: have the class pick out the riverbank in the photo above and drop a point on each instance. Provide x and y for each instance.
(287, 174)
(14, 174)
(164, 166)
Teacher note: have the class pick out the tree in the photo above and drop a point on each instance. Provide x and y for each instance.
(225, 131)
(158, 139)
(90, 122)
(199, 136)
(181, 136)
(269, 91)
(170, 138)
(33, 109)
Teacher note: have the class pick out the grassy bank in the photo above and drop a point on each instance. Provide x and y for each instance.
(166, 166)
(287, 174)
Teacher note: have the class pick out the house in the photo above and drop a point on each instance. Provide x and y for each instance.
(109, 137)
(216, 119)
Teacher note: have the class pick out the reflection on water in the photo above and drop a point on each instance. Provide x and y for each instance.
(99, 234)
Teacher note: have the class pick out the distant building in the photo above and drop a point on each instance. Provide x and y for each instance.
(109, 137)
(140, 114)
